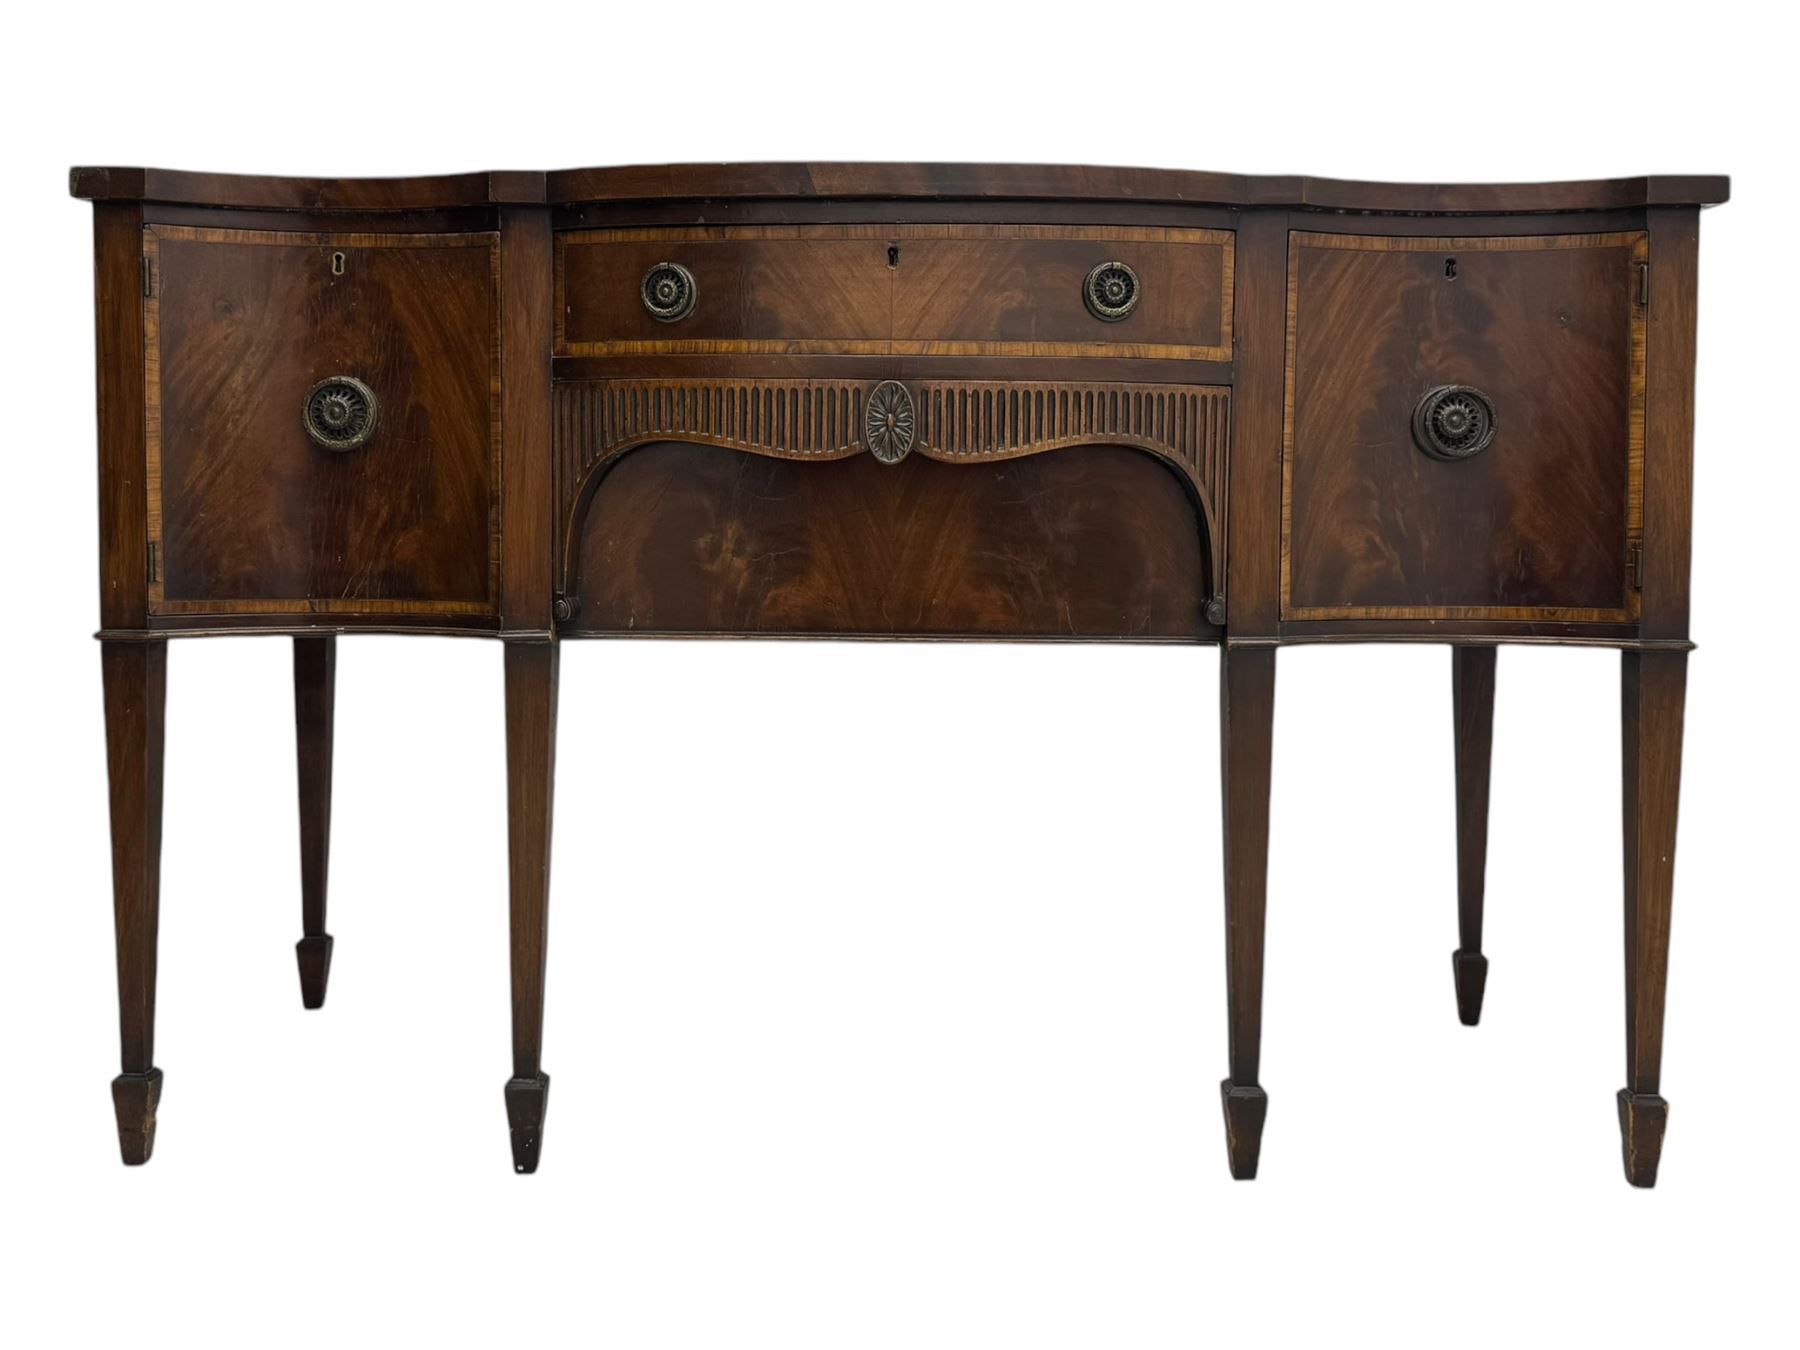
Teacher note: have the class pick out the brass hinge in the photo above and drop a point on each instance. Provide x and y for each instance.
(149, 278)
(150, 574)
(1634, 563)
(1644, 283)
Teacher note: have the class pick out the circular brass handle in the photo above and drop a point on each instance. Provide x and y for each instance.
(1454, 422)
(340, 413)
(669, 292)
(1111, 291)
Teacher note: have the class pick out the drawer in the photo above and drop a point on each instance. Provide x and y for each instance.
(907, 290)
(1464, 430)
(323, 422)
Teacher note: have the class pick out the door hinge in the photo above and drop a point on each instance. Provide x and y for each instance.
(1643, 283)
(150, 561)
(1634, 563)
(149, 271)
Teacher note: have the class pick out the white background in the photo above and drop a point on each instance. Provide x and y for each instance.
(886, 1000)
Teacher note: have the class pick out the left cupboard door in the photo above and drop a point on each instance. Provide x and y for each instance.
(323, 422)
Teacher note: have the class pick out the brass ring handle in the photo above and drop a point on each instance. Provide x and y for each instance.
(1454, 422)
(340, 413)
(1111, 291)
(668, 292)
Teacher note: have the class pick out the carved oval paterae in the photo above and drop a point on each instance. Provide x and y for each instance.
(1454, 421)
(340, 413)
(669, 292)
(1111, 291)
(888, 422)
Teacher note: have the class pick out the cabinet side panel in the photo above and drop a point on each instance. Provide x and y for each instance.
(1669, 422)
(119, 358)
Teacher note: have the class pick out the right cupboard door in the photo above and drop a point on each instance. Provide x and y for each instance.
(1464, 428)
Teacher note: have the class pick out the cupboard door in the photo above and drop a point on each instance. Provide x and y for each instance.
(1464, 431)
(323, 431)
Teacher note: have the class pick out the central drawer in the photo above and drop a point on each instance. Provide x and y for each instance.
(900, 290)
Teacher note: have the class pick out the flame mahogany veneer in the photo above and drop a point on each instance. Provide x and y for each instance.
(897, 401)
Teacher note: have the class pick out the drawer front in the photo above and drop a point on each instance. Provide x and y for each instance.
(389, 344)
(907, 290)
(1464, 428)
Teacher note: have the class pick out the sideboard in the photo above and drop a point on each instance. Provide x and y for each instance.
(897, 401)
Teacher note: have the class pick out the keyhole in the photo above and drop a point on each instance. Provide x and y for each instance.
(1450, 268)
(893, 255)
(337, 264)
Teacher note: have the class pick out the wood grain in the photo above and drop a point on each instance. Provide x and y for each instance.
(531, 697)
(250, 515)
(135, 677)
(1653, 687)
(1540, 525)
(526, 519)
(896, 289)
(958, 421)
(1669, 426)
(1100, 542)
(1472, 700)
(120, 360)
(1246, 742)
(270, 192)
(315, 702)
(1253, 520)
(853, 181)
(942, 182)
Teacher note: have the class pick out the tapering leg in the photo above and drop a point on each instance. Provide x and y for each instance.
(315, 679)
(1472, 694)
(134, 675)
(1654, 688)
(531, 669)
(1246, 725)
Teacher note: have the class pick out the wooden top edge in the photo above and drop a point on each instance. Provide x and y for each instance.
(269, 193)
(636, 183)
(639, 183)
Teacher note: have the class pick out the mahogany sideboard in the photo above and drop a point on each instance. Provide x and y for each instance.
(897, 401)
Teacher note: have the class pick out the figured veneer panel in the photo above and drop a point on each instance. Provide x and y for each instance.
(908, 290)
(765, 288)
(1095, 542)
(966, 291)
(1186, 427)
(1537, 526)
(252, 516)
